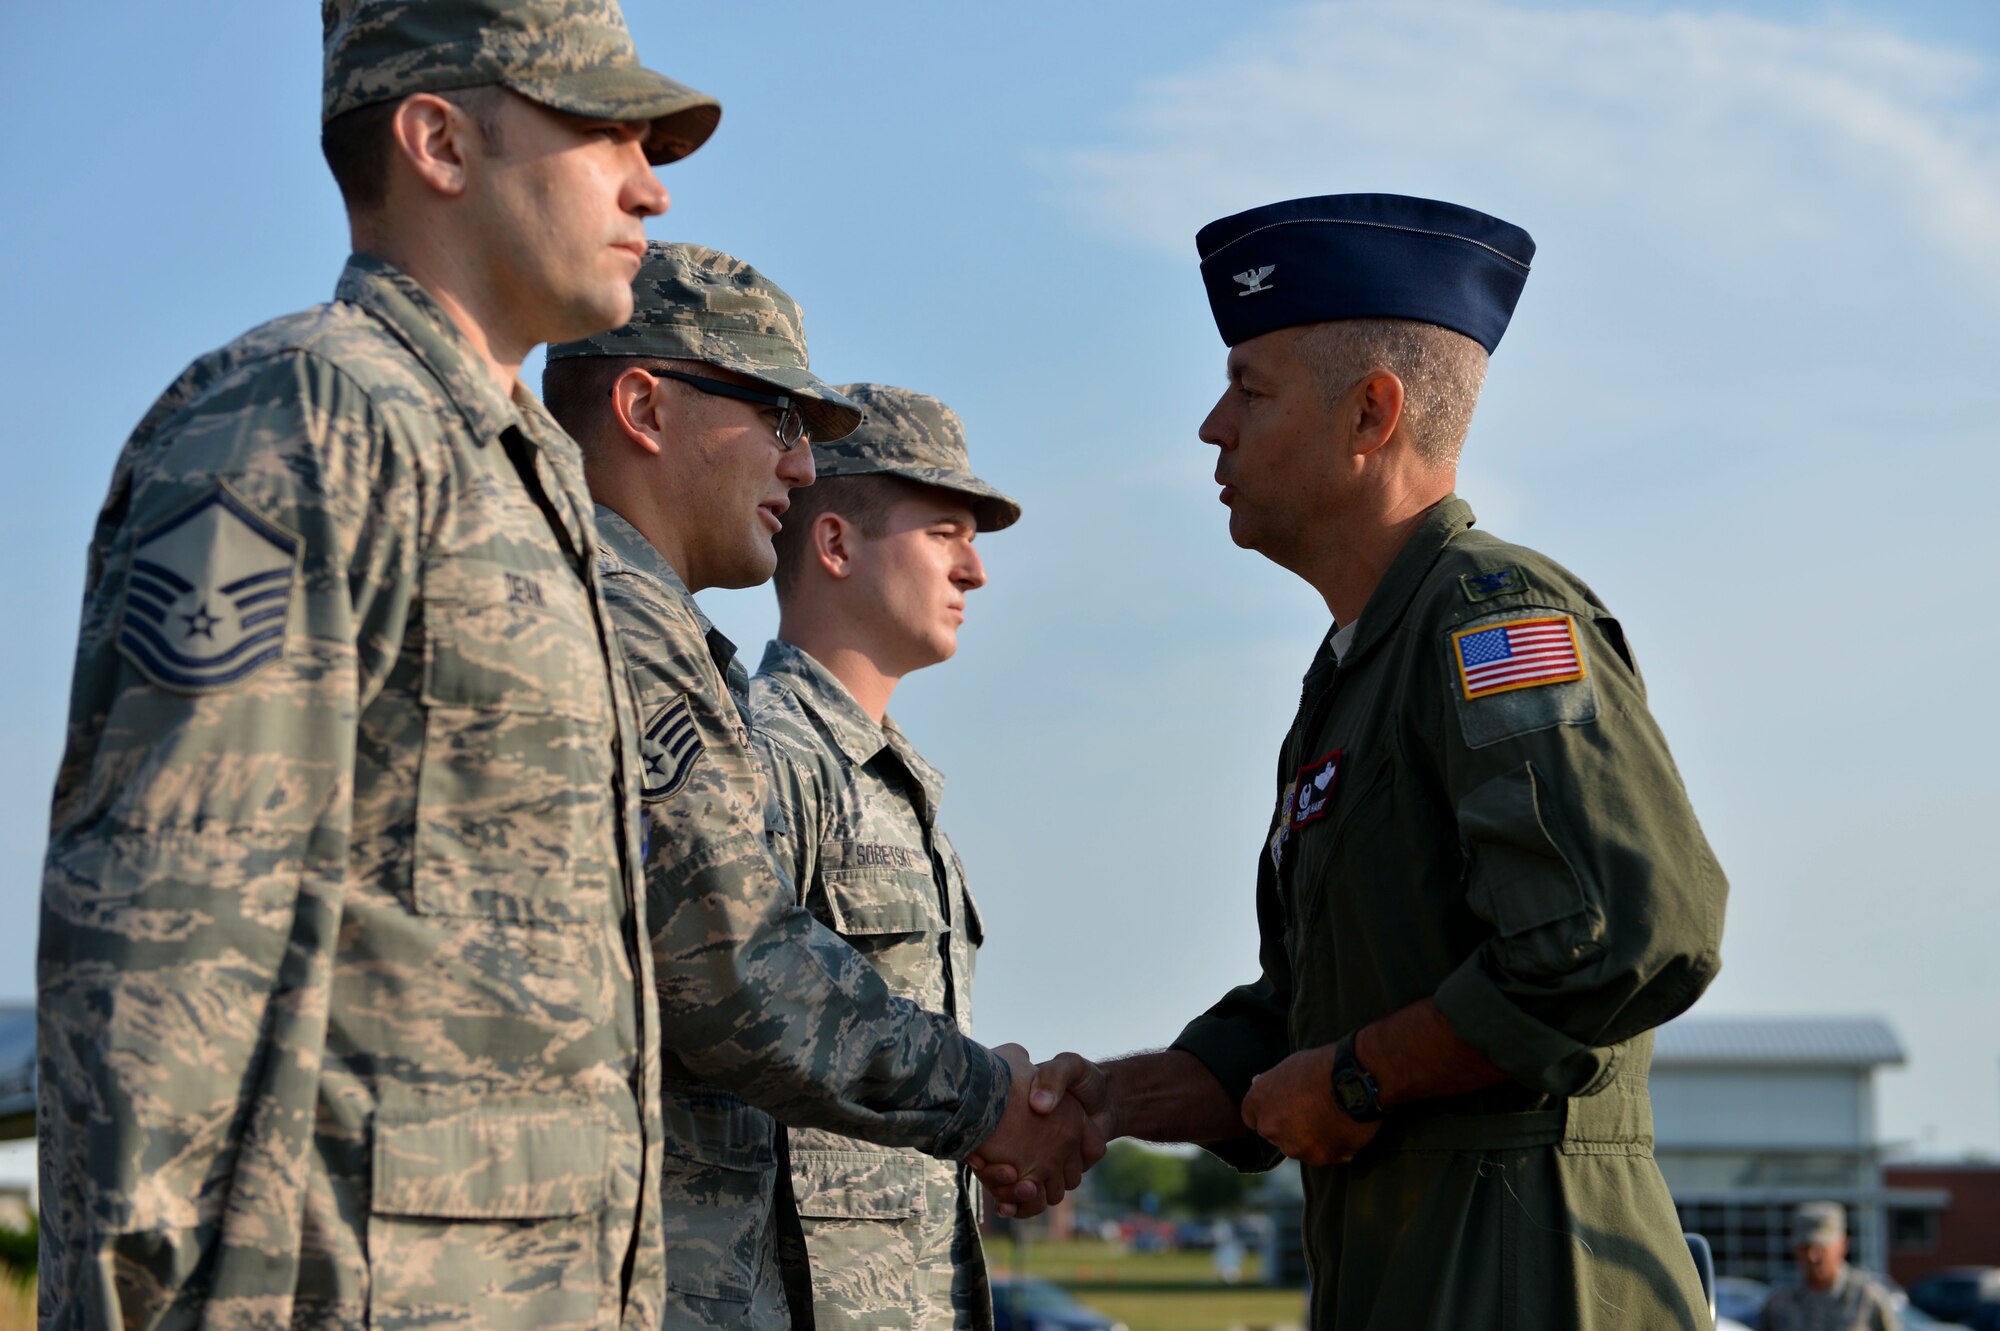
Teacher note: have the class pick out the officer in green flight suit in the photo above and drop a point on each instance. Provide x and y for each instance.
(1483, 885)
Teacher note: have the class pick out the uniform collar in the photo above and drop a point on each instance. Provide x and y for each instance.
(1412, 564)
(416, 319)
(632, 553)
(853, 730)
(626, 551)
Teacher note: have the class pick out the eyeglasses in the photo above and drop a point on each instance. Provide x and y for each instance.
(791, 427)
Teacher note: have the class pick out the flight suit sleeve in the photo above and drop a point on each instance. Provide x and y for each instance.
(248, 590)
(755, 995)
(1583, 858)
(1247, 1032)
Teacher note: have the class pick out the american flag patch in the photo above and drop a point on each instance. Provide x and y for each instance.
(1520, 654)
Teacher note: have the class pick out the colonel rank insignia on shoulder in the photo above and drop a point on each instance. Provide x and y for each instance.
(669, 749)
(209, 594)
(1519, 671)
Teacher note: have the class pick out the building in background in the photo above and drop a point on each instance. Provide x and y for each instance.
(1753, 1115)
(1947, 1214)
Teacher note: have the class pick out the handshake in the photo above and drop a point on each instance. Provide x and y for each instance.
(1062, 1114)
(1057, 1123)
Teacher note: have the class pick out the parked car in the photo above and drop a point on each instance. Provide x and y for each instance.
(1957, 1293)
(1194, 1236)
(1038, 1305)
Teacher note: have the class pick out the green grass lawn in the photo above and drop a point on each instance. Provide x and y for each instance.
(1165, 1291)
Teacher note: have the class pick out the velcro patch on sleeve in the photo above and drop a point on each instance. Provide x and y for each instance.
(1518, 672)
(1493, 582)
(669, 749)
(1517, 654)
(209, 595)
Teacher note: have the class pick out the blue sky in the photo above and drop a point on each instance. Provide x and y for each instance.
(1749, 395)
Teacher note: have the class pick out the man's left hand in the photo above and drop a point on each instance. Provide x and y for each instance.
(1292, 1107)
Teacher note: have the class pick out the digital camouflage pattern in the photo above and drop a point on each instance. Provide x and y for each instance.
(760, 1005)
(1530, 859)
(697, 304)
(911, 434)
(572, 55)
(1854, 1303)
(344, 1013)
(893, 1235)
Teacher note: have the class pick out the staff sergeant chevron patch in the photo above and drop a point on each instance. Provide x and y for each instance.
(209, 595)
(669, 749)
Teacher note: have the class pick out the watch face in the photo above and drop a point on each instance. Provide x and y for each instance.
(1350, 1090)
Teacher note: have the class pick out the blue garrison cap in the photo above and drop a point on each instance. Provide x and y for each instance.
(1363, 256)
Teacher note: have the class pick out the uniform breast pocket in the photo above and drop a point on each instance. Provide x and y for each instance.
(1341, 842)
(891, 916)
(968, 934)
(514, 817)
(488, 1219)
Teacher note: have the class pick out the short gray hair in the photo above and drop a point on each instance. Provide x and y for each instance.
(1442, 373)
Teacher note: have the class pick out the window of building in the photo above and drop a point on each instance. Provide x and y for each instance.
(1912, 1229)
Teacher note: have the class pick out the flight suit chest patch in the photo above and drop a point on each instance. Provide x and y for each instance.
(1307, 800)
(1312, 790)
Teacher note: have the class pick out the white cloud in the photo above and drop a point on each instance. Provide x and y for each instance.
(1739, 135)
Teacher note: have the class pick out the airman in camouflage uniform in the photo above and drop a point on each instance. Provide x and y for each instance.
(893, 1235)
(764, 1012)
(1830, 1294)
(344, 1013)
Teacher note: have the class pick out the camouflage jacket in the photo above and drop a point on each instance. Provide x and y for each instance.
(344, 1016)
(758, 1000)
(894, 1237)
(1854, 1303)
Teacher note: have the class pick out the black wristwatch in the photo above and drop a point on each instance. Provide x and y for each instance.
(1353, 1089)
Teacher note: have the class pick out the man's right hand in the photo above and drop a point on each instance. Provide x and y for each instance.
(1036, 1154)
(1076, 1076)
(1066, 1084)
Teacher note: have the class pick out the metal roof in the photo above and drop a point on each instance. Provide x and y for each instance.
(1841, 1042)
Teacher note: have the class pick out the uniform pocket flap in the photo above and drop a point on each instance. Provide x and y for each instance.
(1520, 880)
(715, 1127)
(857, 1185)
(503, 639)
(882, 900)
(975, 924)
(490, 1166)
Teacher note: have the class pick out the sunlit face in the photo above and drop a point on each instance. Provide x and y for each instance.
(729, 482)
(1274, 437)
(910, 583)
(1819, 1263)
(558, 217)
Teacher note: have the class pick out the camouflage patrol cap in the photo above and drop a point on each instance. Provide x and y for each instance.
(690, 302)
(1818, 1222)
(571, 55)
(913, 435)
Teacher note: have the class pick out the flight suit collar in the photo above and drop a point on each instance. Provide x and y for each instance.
(420, 323)
(856, 733)
(1412, 564)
